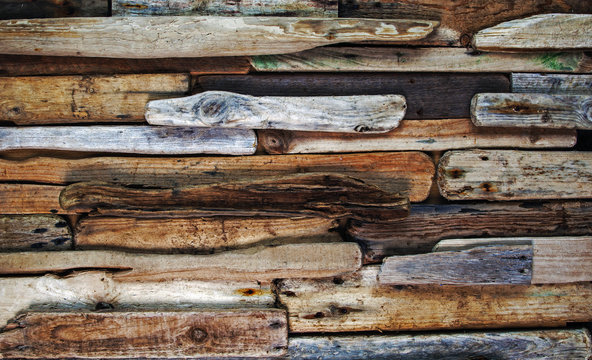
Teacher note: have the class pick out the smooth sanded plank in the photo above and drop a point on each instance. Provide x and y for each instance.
(18, 9)
(30, 199)
(164, 334)
(423, 135)
(195, 36)
(257, 263)
(77, 99)
(539, 32)
(34, 232)
(532, 110)
(357, 302)
(534, 344)
(351, 114)
(131, 139)
(551, 83)
(474, 174)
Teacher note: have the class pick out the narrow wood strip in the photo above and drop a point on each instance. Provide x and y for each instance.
(17, 9)
(532, 110)
(423, 135)
(353, 114)
(260, 263)
(474, 174)
(184, 334)
(34, 232)
(26, 199)
(551, 83)
(130, 139)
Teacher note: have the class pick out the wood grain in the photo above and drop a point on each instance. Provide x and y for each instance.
(34, 232)
(24, 199)
(17, 9)
(474, 174)
(551, 83)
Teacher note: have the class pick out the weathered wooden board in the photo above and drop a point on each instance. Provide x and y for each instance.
(30, 199)
(534, 344)
(132, 139)
(539, 32)
(407, 173)
(165, 334)
(257, 263)
(95, 98)
(351, 114)
(34, 232)
(357, 302)
(532, 110)
(424, 135)
(18, 9)
(199, 234)
(551, 83)
(195, 36)
(475, 174)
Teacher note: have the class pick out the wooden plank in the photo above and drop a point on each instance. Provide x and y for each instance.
(179, 334)
(474, 174)
(257, 263)
(34, 232)
(30, 199)
(131, 139)
(199, 234)
(195, 36)
(407, 173)
(423, 135)
(532, 110)
(420, 59)
(18, 9)
(533, 344)
(539, 32)
(551, 83)
(352, 114)
(357, 302)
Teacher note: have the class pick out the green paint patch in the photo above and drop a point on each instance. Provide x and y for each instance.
(559, 61)
(264, 62)
(547, 294)
(428, 141)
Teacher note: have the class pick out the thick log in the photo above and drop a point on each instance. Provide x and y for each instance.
(357, 302)
(23, 199)
(131, 139)
(474, 174)
(352, 114)
(164, 36)
(539, 32)
(533, 345)
(79, 99)
(18, 9)
(551, 83)
(532, 110)
(259, 263)
(423, 135)
(164, 334)
(38, 232)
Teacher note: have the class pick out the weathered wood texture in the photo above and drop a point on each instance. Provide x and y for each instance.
(539, 32)
(19, 9)
(78, 99)
(424, 135)
(428, 224)
(535, 344)
(357, 302)
(475, 174)
(30, 199)
(175, 36)
(131, 139)
(351, 114)
(433, 59)
(551, 83)
(532, 110)
(36, 232)
(418, 89)
(407, 173)
(178, 334)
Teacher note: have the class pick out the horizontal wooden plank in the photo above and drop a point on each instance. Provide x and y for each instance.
(424, 135)
(474, 174)
(34, 232)
(179, 334)
(551, 83)
(17, 9)
(131, 139)
(80, 99)
(28, 199)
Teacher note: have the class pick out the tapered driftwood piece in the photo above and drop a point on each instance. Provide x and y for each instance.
(259, 263)
(34, 232)
(26, 199)
(164, 334)
(161, 37)
(362, 113)
(474, 174)
(130, 139)
(424, 135)
(539, 32)
(535, 344)
(532, 110)
(551, 83)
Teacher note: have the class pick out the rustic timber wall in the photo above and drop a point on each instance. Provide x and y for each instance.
(419, 188)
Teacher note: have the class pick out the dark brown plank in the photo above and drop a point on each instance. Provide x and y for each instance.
(34, 232)
(29, 9)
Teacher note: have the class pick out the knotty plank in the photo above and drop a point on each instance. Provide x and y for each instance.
(551, 83)
(423, 135)
(34, 232)
(26, 199)
(195, 36)
(18, 9)
(474, 174)
(178, 334)
(79, 99)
